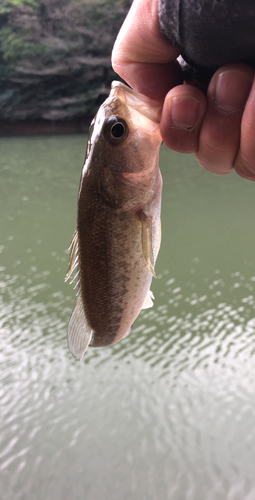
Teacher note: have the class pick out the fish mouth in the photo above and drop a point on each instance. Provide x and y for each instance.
(139, 102)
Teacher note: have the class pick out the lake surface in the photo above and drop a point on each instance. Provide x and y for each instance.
(169, 412)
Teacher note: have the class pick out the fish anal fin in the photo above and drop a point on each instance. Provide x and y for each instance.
(79, 333)
(147, 243)
(148, 302)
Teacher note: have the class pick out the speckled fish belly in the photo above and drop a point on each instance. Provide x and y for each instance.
(115, 246)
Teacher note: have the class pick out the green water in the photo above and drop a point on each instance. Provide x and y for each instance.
(169, 412)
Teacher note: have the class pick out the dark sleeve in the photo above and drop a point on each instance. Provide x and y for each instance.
(210, 33)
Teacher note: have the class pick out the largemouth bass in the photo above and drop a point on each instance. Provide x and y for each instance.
(116, 242)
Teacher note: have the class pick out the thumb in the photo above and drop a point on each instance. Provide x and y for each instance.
(141, 56)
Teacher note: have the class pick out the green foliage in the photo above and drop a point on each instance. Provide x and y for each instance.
(55, 56)
(8, 6)
(15, 47)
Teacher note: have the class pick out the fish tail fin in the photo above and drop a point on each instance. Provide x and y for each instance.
(79, 333)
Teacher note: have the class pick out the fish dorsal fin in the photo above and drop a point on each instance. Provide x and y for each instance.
(147, 243)
(79, 332)
(73, 259)
(148, 300)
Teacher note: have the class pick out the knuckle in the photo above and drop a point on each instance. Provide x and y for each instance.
(245, 167)
(183, 141)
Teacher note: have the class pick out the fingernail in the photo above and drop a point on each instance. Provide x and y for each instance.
(184, 112)
(231, 90)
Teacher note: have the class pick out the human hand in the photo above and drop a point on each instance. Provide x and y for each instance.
(142, 57)
(218, 128)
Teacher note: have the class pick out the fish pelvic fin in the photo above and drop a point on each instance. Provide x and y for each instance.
(73, 259)
(148, 300)
(79, 333)
(147, 243)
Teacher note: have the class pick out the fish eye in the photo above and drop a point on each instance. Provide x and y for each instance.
(116, 130)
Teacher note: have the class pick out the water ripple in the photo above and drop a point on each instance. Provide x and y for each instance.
(187, 385)
(168, 413)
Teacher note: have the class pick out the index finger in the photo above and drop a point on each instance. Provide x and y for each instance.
(141, 56)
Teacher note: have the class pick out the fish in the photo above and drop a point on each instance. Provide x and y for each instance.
(114, 248)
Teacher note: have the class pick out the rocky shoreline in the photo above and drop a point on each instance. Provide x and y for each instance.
(43, 127)
(55, 62)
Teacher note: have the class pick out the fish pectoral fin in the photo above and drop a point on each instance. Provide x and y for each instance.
(147, 243)
(148, 300)
(79, 333)
(159, 236)
(73, 259)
